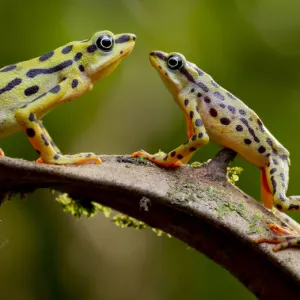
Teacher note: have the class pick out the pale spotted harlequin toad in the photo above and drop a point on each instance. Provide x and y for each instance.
(30, 89)
(212, 112)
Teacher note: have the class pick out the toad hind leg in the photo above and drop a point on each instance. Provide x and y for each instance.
(28, 118)
(183, 153)
(274, 184)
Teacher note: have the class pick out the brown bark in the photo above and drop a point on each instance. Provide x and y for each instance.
(196, 205)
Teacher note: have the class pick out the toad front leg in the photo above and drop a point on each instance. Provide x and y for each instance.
(197, 138)
(28, 117)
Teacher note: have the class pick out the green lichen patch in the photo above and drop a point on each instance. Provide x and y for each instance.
(196, 164)
(224, 208)
(140, 161)
(80, 207)
(83, 207)
(255, 225)
(125, 221)
(233, 174)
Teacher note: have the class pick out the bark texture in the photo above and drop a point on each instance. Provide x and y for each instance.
(196, 205)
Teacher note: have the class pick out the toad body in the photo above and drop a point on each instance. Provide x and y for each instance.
(211, 112)
(30, 89)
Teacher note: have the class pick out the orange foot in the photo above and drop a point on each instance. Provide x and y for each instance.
(1, 153)
(160, 159)
(96, 160)
(284, 238)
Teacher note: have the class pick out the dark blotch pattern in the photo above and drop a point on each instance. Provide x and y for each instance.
(261, 149)
(179, 156)
(191, 114)
(8, 68)
(213, 112)
(81, 68)
(282, 198)
(294, 206)
(56, 156)
(231, 109)
(225, 121)
(31, 117)
(77, 56)
(219, 96)
(231, 96)
(31, 90)
(272, 171)
(46, 56)
(207, 99)
(11, 85)
(198, 123)
(35, 72)
(67, 49)
(160, 55)
(214, 84)
(45, 140)
(200, 72)
(74, 83)
(173, 153)
(186, 102)
(188, 76)
(91, 48)
(122, 39)
(273, 184)
(199, 95)
(55, 90)
(242, 112)
(270, 143)
(261, 125)
(239, 128)
(247, 141)
(203, 87)
(30, 132)
(251, 131)
(193, 149)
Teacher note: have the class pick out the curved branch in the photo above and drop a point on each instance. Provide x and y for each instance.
(197, 206)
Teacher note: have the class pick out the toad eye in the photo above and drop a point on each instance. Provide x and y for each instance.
(105, 42)
(174, 62)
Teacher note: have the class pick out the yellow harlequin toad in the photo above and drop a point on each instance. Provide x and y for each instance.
(30, 89)
(212, 112)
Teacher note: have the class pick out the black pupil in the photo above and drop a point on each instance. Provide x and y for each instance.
(173, 62)
(106, 42)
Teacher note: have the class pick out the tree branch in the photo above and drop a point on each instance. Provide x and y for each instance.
(197, 206)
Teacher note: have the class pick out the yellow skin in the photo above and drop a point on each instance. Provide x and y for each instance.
(213, 113)
(30, 89)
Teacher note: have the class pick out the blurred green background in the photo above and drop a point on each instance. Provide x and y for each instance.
(249, 47)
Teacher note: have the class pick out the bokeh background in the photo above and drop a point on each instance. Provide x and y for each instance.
(249, 47)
